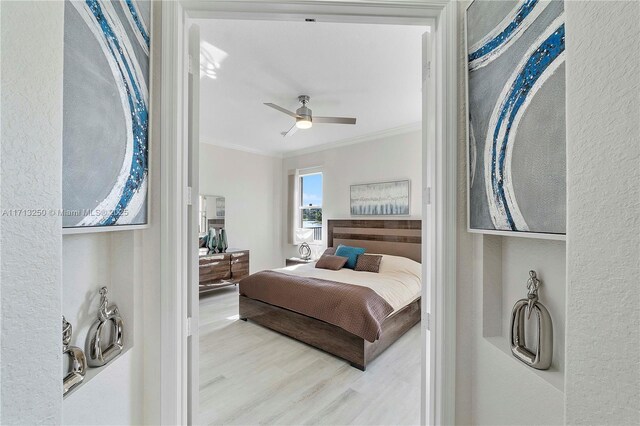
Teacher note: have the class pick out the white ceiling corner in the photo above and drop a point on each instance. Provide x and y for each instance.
(367, 71)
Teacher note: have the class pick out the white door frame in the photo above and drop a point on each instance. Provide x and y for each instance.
(439, 200)
(193, 214)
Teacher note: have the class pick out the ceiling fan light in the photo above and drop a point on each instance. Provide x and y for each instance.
(303, 123)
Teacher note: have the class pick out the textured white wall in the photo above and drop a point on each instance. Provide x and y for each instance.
(389, 158)
(251, 186)
(603, 248)
(31, 158)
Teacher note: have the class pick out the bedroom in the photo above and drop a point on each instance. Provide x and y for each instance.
(273, 194)
(68, 130)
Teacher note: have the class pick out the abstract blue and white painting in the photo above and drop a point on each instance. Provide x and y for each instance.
(106, 113)
(516, 116)
(380, 199)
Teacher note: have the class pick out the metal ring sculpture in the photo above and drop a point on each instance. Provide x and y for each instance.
(77, 360)
(540, 357)
(108, 316)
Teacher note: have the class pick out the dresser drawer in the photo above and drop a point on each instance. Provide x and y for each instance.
(222, 269)
(239, 265)
(210, 258)
(239, 254)
(214, 270)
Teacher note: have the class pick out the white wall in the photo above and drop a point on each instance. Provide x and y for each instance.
(603, 157)
(387, 158)
(251, 185)
(599, 277)
(31, 158)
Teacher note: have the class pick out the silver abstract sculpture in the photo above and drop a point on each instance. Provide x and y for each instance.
(77, 360)
(107, 316)
(540, 357)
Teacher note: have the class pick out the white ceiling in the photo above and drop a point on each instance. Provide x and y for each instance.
(367, 71)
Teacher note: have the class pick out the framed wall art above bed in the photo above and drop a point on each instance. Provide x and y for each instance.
(515, 73)
(380, 199)
(106, 115)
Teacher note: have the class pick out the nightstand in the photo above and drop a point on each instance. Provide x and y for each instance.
(298, 261)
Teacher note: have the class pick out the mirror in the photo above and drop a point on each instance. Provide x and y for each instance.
(211, 212)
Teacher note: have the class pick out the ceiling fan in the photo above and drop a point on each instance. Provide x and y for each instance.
(304, 119)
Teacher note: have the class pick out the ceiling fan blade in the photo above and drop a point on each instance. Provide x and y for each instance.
(291, 131)
(336, 120)
(279, 108)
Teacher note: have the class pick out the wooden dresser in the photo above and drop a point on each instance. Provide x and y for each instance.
(223, 269)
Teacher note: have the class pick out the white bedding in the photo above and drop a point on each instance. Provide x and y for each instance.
(398, 282)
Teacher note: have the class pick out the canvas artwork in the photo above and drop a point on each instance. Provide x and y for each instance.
(385, 198)
(516, 116)
(106, 113)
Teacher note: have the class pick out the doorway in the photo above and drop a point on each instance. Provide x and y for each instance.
(438, 192)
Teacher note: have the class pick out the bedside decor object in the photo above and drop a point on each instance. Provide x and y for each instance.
(516, 122)
(105, 152)
(77, 360)
(540, 356)
(304, 236)
(380, 199)
(108, 316)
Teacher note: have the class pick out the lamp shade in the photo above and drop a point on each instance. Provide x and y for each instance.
(304, 235)
(303, 123)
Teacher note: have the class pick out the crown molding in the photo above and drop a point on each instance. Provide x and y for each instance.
(242, 148)
(395, 131)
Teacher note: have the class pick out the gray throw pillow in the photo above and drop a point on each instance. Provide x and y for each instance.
(329, 261)
(368, 263)
(330, 250)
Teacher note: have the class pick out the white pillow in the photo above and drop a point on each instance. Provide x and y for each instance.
(394, 264)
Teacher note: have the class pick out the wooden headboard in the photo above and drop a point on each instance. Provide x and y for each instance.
(395, 237)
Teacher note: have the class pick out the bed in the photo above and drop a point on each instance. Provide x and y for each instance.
(398, 283)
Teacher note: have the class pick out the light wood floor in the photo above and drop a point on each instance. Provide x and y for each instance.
(251, 375)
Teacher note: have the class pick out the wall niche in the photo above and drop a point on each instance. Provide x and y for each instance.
(91, 261)
(506, 262)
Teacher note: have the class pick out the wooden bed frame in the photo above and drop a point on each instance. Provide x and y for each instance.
(394, 237)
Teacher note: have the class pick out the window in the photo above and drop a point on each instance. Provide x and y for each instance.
(310, 203)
